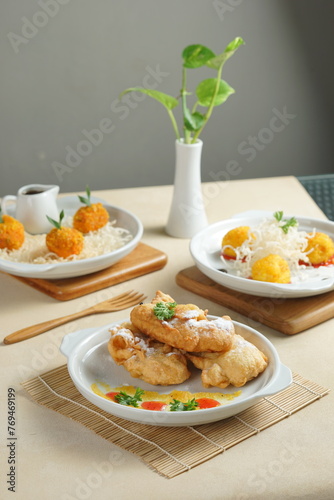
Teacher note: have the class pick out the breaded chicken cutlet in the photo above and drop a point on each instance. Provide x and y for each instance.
(145, 358)
(243, 362)
(162, 336)
(188, 329)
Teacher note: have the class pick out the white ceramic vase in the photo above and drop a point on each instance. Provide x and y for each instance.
(187, 214)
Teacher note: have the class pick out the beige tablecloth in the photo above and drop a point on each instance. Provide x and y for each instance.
(57, 458)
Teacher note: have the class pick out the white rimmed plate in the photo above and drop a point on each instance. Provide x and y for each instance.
(60, 270)
(89, 362)
(205, 248)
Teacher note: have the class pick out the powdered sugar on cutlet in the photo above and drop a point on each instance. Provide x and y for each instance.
(240, 343)
(122, 332)
(189, 314)
(220, 323)
(133, 339)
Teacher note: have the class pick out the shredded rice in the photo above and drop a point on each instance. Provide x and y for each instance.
(269, 238)
(100, 242)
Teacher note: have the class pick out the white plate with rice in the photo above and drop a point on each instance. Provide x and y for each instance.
(102, 249)
(205, 248)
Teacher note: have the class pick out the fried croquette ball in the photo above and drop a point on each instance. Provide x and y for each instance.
(272, 268)
(90, 218)
(235, 238)
(11, 233)
(321, 248)
(65, 241)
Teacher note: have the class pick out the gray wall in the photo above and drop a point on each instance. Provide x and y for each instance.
(63, 66)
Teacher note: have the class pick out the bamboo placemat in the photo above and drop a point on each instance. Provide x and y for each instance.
(170, 451)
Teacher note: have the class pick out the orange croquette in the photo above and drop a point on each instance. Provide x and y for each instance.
(65, 241)
(90, 218)
(234, 238)
(272, 268)
(321, 248)
(11, 233)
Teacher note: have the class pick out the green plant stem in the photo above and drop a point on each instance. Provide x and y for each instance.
(210, 109)
(187, 134)
(175, 127)
(194, 107)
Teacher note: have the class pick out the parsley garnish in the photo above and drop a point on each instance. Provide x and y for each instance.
(179, 406)
(124, 399)
(164, 310)
(288, 223)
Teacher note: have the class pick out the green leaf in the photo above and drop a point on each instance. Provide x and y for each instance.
(289, 223)
(85, 201)
(206, 90)
(218, 61)
(193, 121)
(164, 310)
(166, 100)
(278, 216)
(196, 56)
(57, 224)
(286, 223)
(177, 405)
(125, 399)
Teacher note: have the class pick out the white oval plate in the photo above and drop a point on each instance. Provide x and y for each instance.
(89, 361)
(205, 248)
(60, 270)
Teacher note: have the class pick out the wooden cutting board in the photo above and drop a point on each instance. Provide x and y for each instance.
(288, 316)
(142, 260)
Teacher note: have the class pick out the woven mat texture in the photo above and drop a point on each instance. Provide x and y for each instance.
(171, 451)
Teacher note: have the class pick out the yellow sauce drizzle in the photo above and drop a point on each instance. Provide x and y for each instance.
(101, 389)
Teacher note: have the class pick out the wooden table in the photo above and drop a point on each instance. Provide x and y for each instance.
(60, 459)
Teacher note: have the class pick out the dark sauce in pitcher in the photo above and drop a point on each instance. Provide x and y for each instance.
(33, 191)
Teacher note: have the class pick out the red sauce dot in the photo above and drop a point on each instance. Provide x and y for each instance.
(229, 257)
(206, 403)
(328, 262)
(111, 395)
(153, 405)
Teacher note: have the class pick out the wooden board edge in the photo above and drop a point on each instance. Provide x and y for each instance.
(58, 290)
(289, 328)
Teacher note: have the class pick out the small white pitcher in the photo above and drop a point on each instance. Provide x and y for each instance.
(32, 204)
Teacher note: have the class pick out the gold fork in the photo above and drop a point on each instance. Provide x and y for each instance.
(122, 301)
